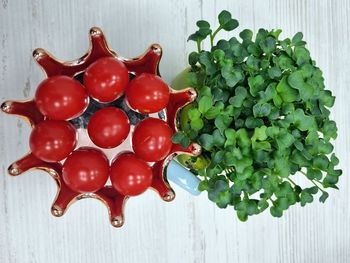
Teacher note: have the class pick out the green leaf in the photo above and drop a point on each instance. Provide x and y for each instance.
(269, 94)
(274, 72)
(275, 33)
(263, 204)
(326, 98)
(193, 58)
(230, 135)
(203, 24)
(194, 114)
(334, 160)
(181, 138)
(204, 28)
(218, 138)
(287, 93)
(301, 55)
(243, 167)
(268, 45)
(305, 198)
(213, 112)
(296, 81)
(304, 122)
(240, 95)
(203, 186)
(264, 146)
(272, 131)
(231, 76)
(281, 167)
(276, 211)
(285, 62)
(206, 141)
(177, 137)
(242, 138)
(204, 104)
(320, 162)
(254, 50)
(285, 140)
(252, 122)
(323, 197)
(246, 34)
(242, 215)
(329, 130)
(223, 199)
(216, 187)
(312, 190)
(261, 110)
(222, 122)
(313, 174)
(261, 35)
(256, 84)
(196, 37)
(226, 21)
(192, 79)
(282, 203)
(297, 38)
(220, 95)
(218, 55)
(206, 60)
(260, 133)
(197, 124)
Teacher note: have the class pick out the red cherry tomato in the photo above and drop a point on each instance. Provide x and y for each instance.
(85, 170)
(52, 141)
(108, 127)
(130, 176)
(151, 140)
(106, 79)
(147, 93)
(61, 98)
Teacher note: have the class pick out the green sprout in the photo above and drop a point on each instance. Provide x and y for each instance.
(262, 119)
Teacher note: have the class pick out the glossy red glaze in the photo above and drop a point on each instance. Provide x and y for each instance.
(61, 98)
(151, 140)
(130, 175)
(52, 141)
(108, 127)
(147, 93)
(85, 170)
(106, 79)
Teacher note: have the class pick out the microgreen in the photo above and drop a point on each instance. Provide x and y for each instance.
(262, 119)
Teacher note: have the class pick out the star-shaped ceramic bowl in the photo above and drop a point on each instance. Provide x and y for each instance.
(114, 201)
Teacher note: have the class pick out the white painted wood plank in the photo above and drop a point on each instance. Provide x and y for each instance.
(190, 229)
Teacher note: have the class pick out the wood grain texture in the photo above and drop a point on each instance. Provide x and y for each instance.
(189, 229)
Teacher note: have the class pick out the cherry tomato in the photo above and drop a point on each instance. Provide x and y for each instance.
(108, 127)
(85, 170)
(151, 140)
(61, 98)
(147, 93)
(52, 141)
(106, 79)
(130, 176)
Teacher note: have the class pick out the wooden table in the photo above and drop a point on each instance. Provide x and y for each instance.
(189, 229)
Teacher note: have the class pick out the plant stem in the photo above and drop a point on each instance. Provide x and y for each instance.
(312, 181)
(246, 195)
(212, 36)
(290, 180)
(303, 173)
(199, 46)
